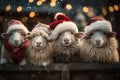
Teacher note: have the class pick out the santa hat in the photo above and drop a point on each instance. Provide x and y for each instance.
(62, 23)
(42, 28)
(98, 23)
(16, 25)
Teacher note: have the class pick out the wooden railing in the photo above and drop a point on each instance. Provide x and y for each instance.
(59, 71)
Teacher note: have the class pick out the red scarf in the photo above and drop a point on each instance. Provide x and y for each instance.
(16, 52)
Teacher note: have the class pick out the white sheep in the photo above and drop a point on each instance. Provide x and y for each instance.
(14, 43)
(39, 50)
(65, 44)
(66, 48)
(99, 43)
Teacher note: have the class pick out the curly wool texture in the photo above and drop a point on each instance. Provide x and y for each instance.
(41, 57)
(66, 54)
(108, 53)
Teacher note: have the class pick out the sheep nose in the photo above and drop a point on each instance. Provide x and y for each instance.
(16, 41)
(38, 43)
(66, 40)
(98, 41)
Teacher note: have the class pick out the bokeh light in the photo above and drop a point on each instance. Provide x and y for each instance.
(116, 7)
(104, 11)
(52, 4)
(32, 14)
(24, 19)
(39, 3)
(8, 8)
(43, 0)
(111, 9)
(1, 18)
(19, 8)
(85, 9)
(68, 6)
(30, 1)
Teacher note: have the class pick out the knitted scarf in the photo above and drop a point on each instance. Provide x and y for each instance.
(16, 52)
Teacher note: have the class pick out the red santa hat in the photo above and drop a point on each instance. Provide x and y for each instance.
(42, 28)
(16, 25)
(98, 23)
(62, 23)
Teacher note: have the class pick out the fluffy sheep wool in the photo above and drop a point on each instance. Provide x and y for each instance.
(40, 57)
(64, 53)
(8, 49)
(108, 52)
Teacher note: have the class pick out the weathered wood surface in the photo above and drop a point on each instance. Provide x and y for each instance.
(55, 71)
(62, 67)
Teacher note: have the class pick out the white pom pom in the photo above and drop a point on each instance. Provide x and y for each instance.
(57, 14)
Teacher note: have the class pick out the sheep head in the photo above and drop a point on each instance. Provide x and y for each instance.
(67, 38)
(15, 38)
(99, 38)
(37, 40)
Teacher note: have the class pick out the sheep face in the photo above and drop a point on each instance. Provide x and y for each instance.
(66, 38)
(38, 42)
(98, 38)
(15, 38)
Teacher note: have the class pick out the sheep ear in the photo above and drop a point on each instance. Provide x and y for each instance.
(4, 35)
(28, 37)
(79, 34)
(111, 34)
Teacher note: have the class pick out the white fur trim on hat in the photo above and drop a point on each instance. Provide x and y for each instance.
(58, 14)
(104, 26)
(65, 26)
(43, 27)
(39, 29)
(17, 27)
(46, 35)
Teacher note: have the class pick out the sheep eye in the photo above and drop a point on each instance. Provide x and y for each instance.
(33, 36)
(23, 34)
(60, 34)
(104, 33)
(91, 34)
(28, 33)
(71, 32)
(10, 34)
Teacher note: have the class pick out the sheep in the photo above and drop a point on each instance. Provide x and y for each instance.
(64, 36)
(66, 48)
(98, 43)
(14, 43)
(39, 50)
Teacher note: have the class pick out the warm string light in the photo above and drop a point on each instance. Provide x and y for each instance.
(8, 8)
(39, 3)
(1, 18)
(24, 19)
(85, 9)
(43, 0)
(19, 8)
(68, 6)
(53, 0)
(104, 11)
(111, 9)
(116, 7)
(32, 14)
(30, 1)
(53, 3)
